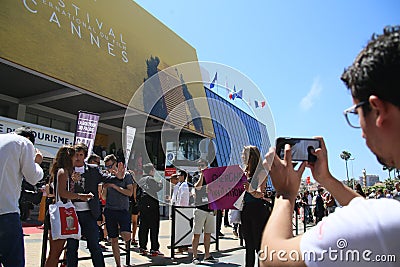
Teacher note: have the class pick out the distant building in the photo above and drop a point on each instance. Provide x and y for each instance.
(371, 179)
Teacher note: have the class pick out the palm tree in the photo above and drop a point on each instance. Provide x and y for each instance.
(345, 155)
(389, 169)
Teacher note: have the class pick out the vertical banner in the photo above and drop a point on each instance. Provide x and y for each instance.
(224, 186)
(130, 136)
(86, 128)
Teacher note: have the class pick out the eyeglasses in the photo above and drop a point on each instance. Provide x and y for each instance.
(201, 165)
(351, 114)
(109, 166)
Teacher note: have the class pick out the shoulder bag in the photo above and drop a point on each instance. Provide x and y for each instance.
(63, 219)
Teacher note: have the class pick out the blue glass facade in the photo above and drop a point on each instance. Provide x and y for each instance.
(234, 129)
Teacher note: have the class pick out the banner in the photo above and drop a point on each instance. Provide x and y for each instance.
(130, 136)
(224, 186)
(86, 128)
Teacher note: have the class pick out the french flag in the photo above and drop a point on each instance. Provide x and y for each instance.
(259, 104)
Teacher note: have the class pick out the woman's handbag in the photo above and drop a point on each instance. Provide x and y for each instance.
(63, 219)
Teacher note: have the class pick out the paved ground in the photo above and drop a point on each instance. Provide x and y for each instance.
(230, 252)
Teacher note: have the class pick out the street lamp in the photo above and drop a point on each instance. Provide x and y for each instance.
(364, 172)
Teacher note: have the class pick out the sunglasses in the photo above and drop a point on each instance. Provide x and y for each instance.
(109, 166)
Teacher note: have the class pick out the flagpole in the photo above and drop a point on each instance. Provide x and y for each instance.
(216, 80)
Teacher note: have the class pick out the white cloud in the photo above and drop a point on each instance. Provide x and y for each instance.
(312, 96)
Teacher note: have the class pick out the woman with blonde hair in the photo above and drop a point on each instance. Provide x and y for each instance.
(255, 213)
(61, 174)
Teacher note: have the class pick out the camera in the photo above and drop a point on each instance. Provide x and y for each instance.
(301, 148)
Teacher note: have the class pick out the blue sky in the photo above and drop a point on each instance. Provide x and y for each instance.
(295, 52)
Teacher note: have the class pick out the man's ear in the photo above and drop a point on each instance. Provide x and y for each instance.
(380, 108)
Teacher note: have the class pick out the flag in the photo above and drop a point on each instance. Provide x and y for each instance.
(212, 84)
(259, 104)
(236, 95)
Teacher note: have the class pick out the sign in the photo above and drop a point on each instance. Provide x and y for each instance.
(99, 46)
(225, 185)
(130, 136)
(308, 180)
(168, 172)
(86, 128)
(46, 139)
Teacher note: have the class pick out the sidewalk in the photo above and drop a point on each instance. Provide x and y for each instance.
(230, 252)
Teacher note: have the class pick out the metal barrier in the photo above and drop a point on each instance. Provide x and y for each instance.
(182, 217)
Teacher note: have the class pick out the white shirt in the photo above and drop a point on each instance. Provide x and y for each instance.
(309, 199)
(17, 161)
(367, 228)
(182, 196)
(81, 205)
(174, 193)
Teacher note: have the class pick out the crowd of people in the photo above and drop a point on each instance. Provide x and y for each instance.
(121, 197)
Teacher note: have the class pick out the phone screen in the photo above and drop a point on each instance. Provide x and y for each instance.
(301, 148)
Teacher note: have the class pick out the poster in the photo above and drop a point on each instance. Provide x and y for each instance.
(225, 185)
(86, 128)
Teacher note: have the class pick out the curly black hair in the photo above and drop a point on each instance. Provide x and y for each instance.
(376, 70)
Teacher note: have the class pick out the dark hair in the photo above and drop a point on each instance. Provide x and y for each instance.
(26, 132)
(93, 157)
(63, 160)
(147, 168)
(358, 187)
(376, 70)
(111, 157)
(81, 147)
(252, 160)
(182, 172)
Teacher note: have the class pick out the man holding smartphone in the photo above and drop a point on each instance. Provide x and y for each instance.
(363, 229)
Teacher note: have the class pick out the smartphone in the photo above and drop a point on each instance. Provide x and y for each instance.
(301, 148)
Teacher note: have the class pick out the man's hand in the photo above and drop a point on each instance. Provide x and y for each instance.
(343, 194)
(38, 157)
(121, 171)
(319, 168)
(285, 179)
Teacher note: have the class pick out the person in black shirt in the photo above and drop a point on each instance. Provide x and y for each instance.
(149, 208)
